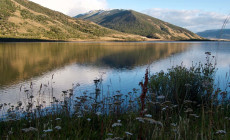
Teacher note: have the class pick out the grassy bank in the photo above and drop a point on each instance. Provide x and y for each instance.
(181, 103)
(27, 40)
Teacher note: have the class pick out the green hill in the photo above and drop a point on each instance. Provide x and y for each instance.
(25, 19)
(129, 21)
(216, 34)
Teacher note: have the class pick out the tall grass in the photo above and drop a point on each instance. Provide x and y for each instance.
(181, 103)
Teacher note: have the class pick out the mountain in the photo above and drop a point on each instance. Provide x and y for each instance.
(129, 21)
(216, 34)
(25, 19)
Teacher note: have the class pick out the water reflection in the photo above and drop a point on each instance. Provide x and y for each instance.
(121, 66)
(20, 61)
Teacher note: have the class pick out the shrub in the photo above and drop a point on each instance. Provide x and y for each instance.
(181, 83)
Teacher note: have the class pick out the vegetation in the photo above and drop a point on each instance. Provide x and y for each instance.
(130, 21)
(180, 83)
(148, 114)
(25, 19)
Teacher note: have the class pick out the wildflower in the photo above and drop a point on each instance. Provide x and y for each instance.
(140, 119)
(188, 85)
(128, 133)
(173, 124)
(194, 115)
(227, 118)
(99, 113)
(188, 110)
(58, 127)
(29, 129)
(116, 138)
(152, 121)
(163, 109)
(48, 130)
(148, 116)
(167, 103)
(118, 121)
(88, 119)
(110, 134)
(220, 132)
(161, 97)
(58, 119)
(175, 106)
(187, 102)
(116, 124)
(10, 132)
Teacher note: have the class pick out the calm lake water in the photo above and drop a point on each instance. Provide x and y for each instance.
(62, 66)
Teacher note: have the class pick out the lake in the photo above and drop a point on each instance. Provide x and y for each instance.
(57, 67)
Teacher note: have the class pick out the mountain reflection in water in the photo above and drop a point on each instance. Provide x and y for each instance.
(21, 61)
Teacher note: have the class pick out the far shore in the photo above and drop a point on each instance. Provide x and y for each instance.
(94, 40)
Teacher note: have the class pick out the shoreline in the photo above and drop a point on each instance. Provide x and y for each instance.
(2, 40)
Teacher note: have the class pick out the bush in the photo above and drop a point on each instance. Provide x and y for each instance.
(181, 83)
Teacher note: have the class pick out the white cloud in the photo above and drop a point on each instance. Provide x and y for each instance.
(194, 20)
(73, 7)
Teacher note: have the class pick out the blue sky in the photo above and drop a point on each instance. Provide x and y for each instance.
(195, 15)
(221, 6)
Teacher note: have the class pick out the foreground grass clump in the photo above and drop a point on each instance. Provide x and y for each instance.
(180, 83)
(153, 113)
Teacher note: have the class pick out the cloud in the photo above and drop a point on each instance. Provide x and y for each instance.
(73, 7)
(194, 20)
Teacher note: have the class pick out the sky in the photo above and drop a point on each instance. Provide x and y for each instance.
(195, 15)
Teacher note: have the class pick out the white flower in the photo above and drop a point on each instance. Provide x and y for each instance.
(163, 109)
(89, 119)
(128, 133)
(194, 115)
(188, 110)
(220, 132)
(110, 134)
(99, 113)
(152, 121)
(148, 116)
(58, 119)
(173, 124)
(58, 127)
(116, 124)
(175, 106)
(160, 97)
(29, 129)
(118, 121)
(48, 130)
(116, 138)
(140, 119)
(10, 132)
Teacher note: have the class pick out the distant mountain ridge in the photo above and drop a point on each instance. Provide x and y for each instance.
(26, 19)
(216, 34)
(129, 21)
